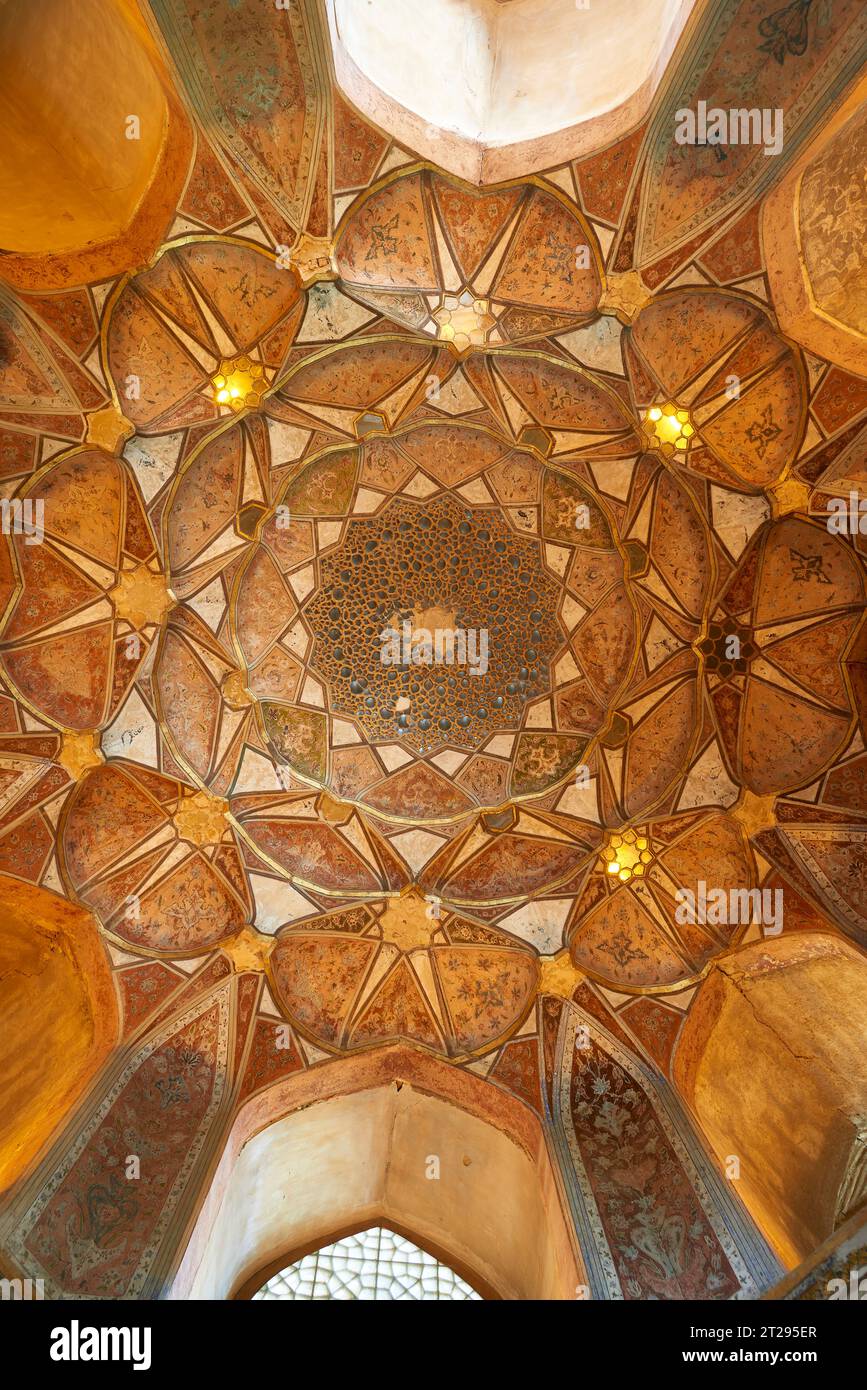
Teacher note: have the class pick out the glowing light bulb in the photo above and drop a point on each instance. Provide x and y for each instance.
(668, 427)
(627, 855)
(239, 384)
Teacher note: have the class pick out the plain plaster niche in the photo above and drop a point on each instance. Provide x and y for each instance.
(362, 1159)
(493, 88)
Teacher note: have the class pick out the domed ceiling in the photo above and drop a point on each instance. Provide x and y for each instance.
(351, 403)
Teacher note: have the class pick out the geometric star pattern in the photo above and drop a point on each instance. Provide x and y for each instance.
(186, 748)
(280, 873)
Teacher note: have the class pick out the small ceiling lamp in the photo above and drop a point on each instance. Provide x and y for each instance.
(464, 321)
(627, 855)
(239, 384)
(668, 428)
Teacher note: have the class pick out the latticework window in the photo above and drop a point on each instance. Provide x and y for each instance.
(375, 1264)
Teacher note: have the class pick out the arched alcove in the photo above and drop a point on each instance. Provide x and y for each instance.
(95, 146)
(391, 1138)
(59, 1016)
(772, 1064)
(468, 83)
(814, 219)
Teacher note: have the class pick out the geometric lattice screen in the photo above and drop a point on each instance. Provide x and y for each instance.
(373, 1265)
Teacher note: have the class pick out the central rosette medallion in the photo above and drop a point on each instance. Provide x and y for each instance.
(436, 624)
(434, 621)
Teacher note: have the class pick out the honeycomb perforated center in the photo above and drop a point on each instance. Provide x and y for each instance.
(413, 570)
